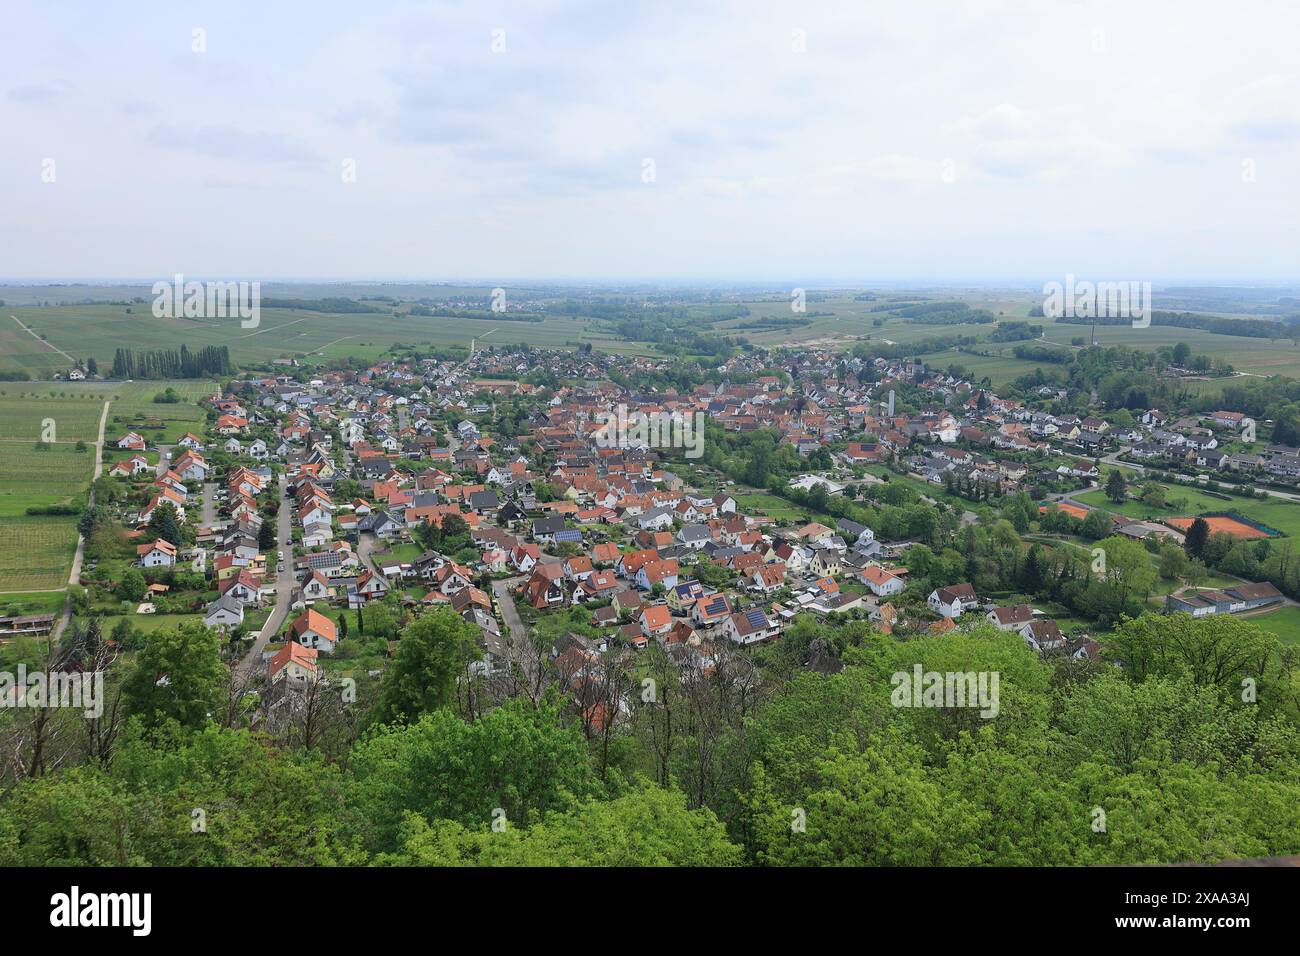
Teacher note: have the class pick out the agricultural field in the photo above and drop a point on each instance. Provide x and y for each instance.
(34, 602)
(97, 331)
(24, 412)
(37, 476)
(36, 551)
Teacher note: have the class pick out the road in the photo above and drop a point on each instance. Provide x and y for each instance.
(164, 459)
(209, 515)
(1113, 459)
(284, 582)
(520, 645)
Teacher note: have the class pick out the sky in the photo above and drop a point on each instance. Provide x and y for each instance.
(792, 143)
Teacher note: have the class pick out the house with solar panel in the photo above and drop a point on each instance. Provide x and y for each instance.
(750, 627)
(683, 595)
(711, 610)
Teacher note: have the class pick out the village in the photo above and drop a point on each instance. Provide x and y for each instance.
(313, 498)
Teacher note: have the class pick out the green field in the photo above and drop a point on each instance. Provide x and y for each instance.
(59, 474)
(778, 509)
(36, 602)
(1284, 622)
(36, 551)
(84, 331)
(24, 413)
(1276, 513)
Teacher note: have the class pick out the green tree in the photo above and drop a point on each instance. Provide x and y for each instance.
(1116, 487)
(518, 759)
(266, 536)
(422, 676)
(1197, 535)
(164, 523)
(132, 586)
(178, 675)
(649, 827)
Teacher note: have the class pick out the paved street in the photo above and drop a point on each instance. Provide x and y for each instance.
(283, 585)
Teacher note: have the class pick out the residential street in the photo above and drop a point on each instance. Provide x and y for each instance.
(284, 582)
(521, 650)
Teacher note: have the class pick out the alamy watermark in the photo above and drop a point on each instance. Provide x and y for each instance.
(1098, 300)
(208, 300)
(953, 689)
(619, 429)
(38, 690)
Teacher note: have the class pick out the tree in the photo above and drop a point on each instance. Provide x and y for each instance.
(422, 677)
(1096, 525)
(164, 524)
(1128, 569)
(177, 676)
(518, 760)
(1116, 487)
(649, 827)
(132, 586)
(1197, 535)
(1173, 561)
(1031, 574)
(266, 536)
(257, 806)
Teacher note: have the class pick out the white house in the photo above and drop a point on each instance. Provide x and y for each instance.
(159, 554)
(952, 601)
(749, 627)
(224, 613)
(882, 581)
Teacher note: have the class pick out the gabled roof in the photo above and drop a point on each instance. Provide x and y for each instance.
(315, 622)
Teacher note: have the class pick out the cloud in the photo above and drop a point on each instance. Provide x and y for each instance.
(229, 142)
(36, 94)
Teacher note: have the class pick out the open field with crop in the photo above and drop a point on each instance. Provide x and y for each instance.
(833, 318)
(36, 551)
(24, 412)
(99, 330)
(48, 475)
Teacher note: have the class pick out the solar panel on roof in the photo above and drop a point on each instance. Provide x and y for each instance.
(756, 618)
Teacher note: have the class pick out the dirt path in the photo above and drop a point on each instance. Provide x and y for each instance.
(74, 576)
(41, 340)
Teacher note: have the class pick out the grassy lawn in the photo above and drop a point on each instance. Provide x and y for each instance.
(149, 623)
(1284, 622)
(1274, 512)
(40, 602)
(403, 553)
(778, 509)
